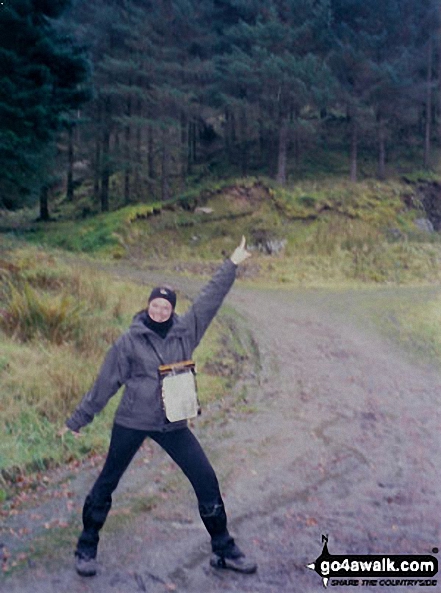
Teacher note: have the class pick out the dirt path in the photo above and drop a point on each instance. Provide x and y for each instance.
(344, 442)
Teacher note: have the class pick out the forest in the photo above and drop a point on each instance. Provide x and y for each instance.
(133, 101)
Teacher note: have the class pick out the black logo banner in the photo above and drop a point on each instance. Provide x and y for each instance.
(351, 566)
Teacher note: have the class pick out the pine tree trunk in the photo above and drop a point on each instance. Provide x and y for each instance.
(127, 153)
(428, 123)
(151, 161)
(192, 143)
(70, 163)
(116, 146)
(262, 139)
(190, 159)
(184, 150)
(97, 154)
(298, 152)
(138, 155)
(297, 144)
(354, 151)
(44, 203)
(244, 141)
(294, 119)
(273, 147)
(282, 152)
(97, 170)
(105, 172)
(165, 168)
(230, 135)
(272, 142)
(381, 173)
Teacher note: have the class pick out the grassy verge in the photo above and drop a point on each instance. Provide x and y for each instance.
(415, 323)
(313, 233)
(56, 323)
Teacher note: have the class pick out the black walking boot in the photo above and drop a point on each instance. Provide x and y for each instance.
(94, 515)
(233, 559)
(85, 566)
(226, 555)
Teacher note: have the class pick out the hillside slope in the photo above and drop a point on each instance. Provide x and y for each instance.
(311, 234)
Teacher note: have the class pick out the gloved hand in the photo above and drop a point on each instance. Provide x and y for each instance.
(240, 254)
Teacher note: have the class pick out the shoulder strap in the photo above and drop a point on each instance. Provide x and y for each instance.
(183, 349)
(161, 360)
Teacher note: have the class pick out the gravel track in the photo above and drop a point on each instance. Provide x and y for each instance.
(343, 442)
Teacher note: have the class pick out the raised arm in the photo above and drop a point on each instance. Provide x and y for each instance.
(207, 303)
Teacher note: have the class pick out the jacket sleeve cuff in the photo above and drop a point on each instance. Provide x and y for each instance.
(78, 419)
(72, 425)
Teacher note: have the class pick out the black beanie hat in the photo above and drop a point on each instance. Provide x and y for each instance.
(163, 292)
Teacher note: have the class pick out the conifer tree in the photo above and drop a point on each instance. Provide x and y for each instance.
(42, 76)
(272, 70)
(181, 84)
(375, 58)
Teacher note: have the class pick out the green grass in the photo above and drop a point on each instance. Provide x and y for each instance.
(107, 234)
(415, 323)
(331, 231)
(102, 233)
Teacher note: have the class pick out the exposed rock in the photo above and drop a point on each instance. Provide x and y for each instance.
(263, 241)
(269, 246)
(203, 210)
(424, 224)
(429, 194)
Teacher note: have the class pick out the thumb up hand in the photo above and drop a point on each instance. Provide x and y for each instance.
(240, 254)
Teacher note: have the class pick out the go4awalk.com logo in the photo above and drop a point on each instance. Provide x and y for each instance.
(375, 570)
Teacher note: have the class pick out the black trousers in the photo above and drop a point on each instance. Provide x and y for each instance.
(185, 450)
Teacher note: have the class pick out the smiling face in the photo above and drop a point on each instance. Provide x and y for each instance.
(160, 310)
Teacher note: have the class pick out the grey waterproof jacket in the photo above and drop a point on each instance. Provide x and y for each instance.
(133, 362)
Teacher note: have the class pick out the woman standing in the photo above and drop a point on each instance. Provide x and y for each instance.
(156, 336)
